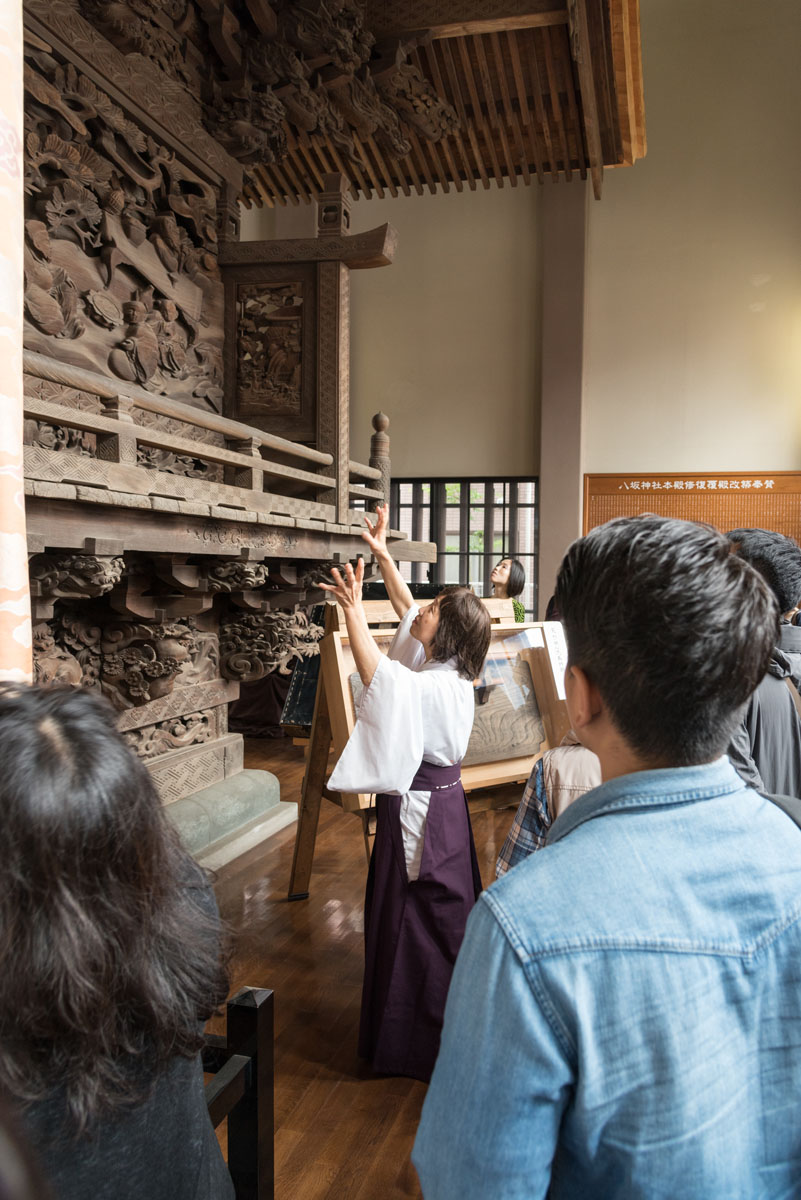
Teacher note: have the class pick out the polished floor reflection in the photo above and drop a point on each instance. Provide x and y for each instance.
(341, 1133)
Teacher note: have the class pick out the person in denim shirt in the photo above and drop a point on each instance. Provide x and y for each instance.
(624, 1019)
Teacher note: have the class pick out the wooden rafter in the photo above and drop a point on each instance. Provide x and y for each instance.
(581, 43)
(536, 88)
(508, 107)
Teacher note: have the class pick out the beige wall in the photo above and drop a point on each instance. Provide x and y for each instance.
(692, 351)
(444, 340)
(692, 321)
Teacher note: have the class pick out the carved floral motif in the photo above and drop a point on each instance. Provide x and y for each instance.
(173, 734)
(253, 644)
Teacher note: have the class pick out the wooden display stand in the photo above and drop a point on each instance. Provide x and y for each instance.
(494, 784)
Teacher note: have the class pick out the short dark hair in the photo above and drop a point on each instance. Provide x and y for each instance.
(673, 629)
(517, 577)
(776, 557)
(110, 951)
(463, 632)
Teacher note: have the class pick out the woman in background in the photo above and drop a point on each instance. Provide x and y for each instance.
(110, 961)
(508, 579)
(412, 730)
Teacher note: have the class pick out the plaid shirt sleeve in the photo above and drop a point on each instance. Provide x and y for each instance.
(530, 825)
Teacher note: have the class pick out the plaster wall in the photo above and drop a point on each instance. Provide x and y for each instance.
(444, 340)
(692, 346)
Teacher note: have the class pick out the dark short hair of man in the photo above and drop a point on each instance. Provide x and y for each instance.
(673, 629)
(776, 557)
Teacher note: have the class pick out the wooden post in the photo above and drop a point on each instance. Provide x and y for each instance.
(379, 455)
(118, 447)
(333, 379)
(251, 1123)
(15, 609)
(333, 345)
(311, 796)
(246, 477)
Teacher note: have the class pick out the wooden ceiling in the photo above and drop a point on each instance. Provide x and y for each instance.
(539, 89)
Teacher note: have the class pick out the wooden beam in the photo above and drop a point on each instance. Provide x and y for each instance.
(372, 173)
(530, 59)
(382, 166)
(565, 65)
(460, 18)
(288, 190)
(296, 175)
(555, 16)
(372, 248)
(436, 76)
(478, 115)
(434, 152)
(508, 106)
(491, 100)
(580, 47)
(556, 107)
(303, 150)
(522, 99)
(266, 187)
(422, 163)
(465, 122)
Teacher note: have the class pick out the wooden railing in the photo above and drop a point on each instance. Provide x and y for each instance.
(252, 461)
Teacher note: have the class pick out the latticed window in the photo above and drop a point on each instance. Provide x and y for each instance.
(475, 523)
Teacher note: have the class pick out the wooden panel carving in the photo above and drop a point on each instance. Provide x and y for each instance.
(251, 644)
(120, 242)
(164, 107)
(271, 347)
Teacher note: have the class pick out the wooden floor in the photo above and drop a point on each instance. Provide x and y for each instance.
(340, 1132)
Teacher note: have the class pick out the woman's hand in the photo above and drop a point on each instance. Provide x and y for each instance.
(347, 591)
(376, 535)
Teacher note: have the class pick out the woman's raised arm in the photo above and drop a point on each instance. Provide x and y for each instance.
(375, 535)
(348, 592)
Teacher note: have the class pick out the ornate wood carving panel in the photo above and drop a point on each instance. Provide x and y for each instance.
(120, 241)
(271, 347)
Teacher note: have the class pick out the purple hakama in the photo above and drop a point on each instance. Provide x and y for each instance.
(413, 931)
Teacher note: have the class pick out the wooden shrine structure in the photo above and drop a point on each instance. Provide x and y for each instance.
(190, 466)
(172, 547)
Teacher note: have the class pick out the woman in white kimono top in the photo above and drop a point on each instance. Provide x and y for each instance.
(412, 729)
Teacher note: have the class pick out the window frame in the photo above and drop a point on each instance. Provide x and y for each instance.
(437, 504)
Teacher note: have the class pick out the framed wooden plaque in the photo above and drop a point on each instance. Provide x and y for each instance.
(727, 500)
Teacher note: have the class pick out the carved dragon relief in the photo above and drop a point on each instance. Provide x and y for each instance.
(133, 661)
(253, 644)
(311, 65)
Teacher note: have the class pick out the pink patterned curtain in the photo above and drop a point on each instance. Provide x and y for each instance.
(15, 609)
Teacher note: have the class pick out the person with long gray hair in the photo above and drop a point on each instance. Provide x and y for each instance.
(110, 960)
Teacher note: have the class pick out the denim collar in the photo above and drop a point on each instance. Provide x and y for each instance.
(649, 789)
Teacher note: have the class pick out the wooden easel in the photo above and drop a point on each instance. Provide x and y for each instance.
(333, 723)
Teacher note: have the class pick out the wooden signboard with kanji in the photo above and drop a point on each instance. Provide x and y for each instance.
(727, 500)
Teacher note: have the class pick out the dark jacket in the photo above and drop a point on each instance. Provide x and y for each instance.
(766, 747)
(162, 1148)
